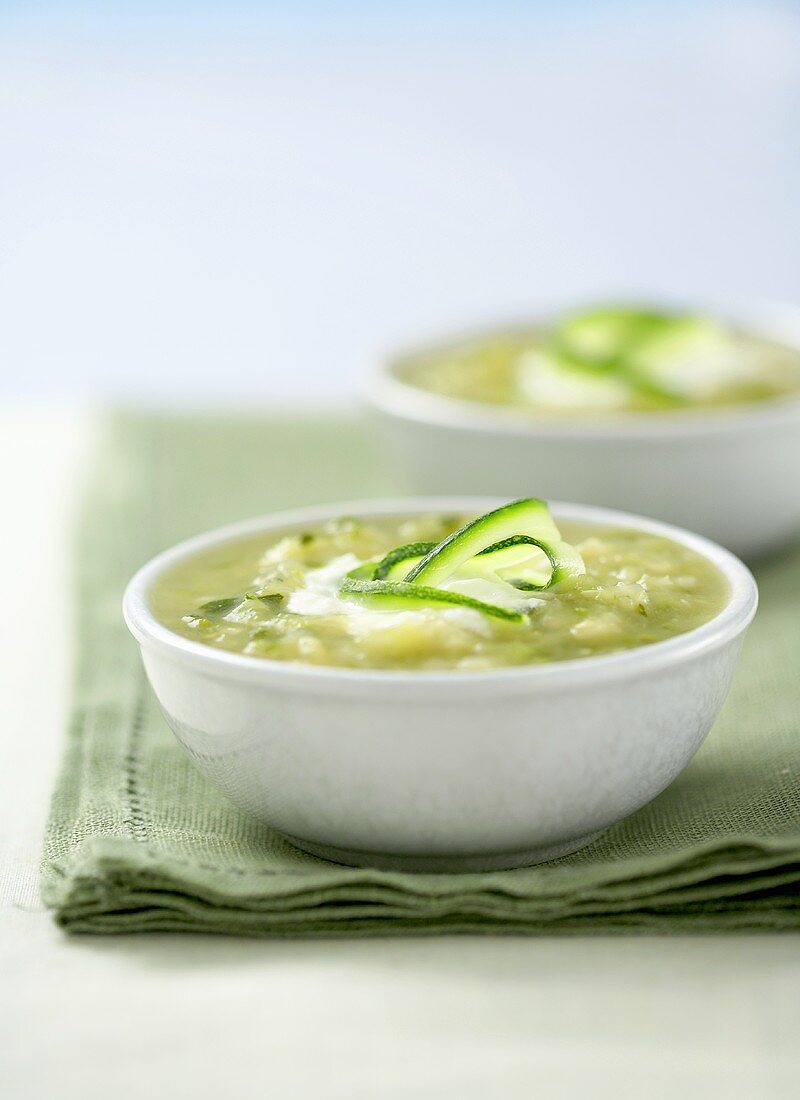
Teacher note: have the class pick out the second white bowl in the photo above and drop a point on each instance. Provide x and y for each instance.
(731, 474)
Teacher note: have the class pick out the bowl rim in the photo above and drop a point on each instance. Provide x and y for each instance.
(388, 393)
(151, 635)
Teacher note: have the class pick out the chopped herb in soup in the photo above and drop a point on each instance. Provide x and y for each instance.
(440, 592)
(612, 361)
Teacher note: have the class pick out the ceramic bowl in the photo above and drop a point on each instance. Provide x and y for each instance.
(730, 474)
(442, 771)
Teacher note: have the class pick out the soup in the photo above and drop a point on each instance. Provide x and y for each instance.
(326, 595)
(611, 361)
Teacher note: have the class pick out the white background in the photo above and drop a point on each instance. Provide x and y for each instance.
(242, 202)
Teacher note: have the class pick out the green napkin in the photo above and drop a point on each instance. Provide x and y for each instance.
(138, 840)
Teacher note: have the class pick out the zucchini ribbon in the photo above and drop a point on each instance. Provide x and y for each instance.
(514, 549)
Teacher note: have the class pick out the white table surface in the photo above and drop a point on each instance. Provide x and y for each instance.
(201, 1016)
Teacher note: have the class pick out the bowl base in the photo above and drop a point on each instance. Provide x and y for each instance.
(443, 864)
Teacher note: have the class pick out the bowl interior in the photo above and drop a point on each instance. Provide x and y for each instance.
(732, 619)
(391, 391)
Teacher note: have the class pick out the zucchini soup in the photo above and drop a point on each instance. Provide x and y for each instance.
(606, 361)
(436, 592)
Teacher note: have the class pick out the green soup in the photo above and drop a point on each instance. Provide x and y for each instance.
(281, 599)
(611, 361)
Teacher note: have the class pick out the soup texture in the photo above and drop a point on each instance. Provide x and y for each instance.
(611, 361)
(282, 598)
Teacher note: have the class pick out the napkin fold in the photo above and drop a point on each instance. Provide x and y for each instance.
(138, 841)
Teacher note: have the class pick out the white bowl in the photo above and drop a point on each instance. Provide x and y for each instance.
(442, 770)
(730, 474)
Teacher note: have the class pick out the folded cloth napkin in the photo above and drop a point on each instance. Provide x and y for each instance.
(138, 840)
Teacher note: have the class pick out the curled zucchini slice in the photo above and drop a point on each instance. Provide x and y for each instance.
(512, 561)
(522, 523)
(398, 562)
(618, 342)
(516, 548)
(402, 596)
